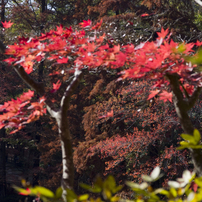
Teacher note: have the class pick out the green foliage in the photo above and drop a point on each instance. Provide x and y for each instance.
(187, 189)
(107, 190)
(191, 141)
(180, 190)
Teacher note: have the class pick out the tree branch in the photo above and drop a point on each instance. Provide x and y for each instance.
(193, 99)
(70, 89)
(185, 92)
(38, 87)
(198, 2)
(182, 107)
(63, 127)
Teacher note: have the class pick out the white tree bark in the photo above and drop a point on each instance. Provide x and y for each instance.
(62, 121)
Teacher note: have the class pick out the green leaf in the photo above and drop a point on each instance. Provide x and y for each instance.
(187, 188)
(44, 199)
(98, 181)
(44, 191)
(198, 181)
(190, 146)
(71, 194)
(181, 148)
(173, 192)
(21, 190)
(199, 195)
(114, 199)
(140, 192)
(85, 186)
(179, 200)
(197, 135)
(117, 189)
(107, 194)
(58, 193)
(189, 138)
(161, 191)
(83, 197)
(154, 196)
(197, 59)
(181, 48)
(195, 146)
(183, 143)
(94, 189)
(109, 182)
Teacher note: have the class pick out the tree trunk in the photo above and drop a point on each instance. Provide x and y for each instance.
(182, 106)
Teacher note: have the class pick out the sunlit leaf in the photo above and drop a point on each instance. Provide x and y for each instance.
(197, 136)
(162, 191)
(94, 189)
(189, 138)
(44, 191)
(58, 193)
(83, 197)
(173, 192)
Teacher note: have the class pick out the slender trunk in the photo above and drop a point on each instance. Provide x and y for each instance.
(182, 106)
(64, 132)
(61, 117)
(67, 153)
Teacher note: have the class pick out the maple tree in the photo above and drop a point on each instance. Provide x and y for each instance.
(65, 45)
(16, 112)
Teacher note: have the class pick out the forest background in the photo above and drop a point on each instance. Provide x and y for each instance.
(115, 128)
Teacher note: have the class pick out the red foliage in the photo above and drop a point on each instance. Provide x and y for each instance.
(14, 113)
(146, 134)
(150, 60)
(7, 24)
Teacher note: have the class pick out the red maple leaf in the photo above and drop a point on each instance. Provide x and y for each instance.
(9, 60)
(85, 23)
(189, 88)
(198, 43)
(7, 24)
(165, 96)
(194, 187)
(59, 30)
(63, 60)
(163, 33)
(153, 93)
(56, 86)
(98, 25)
